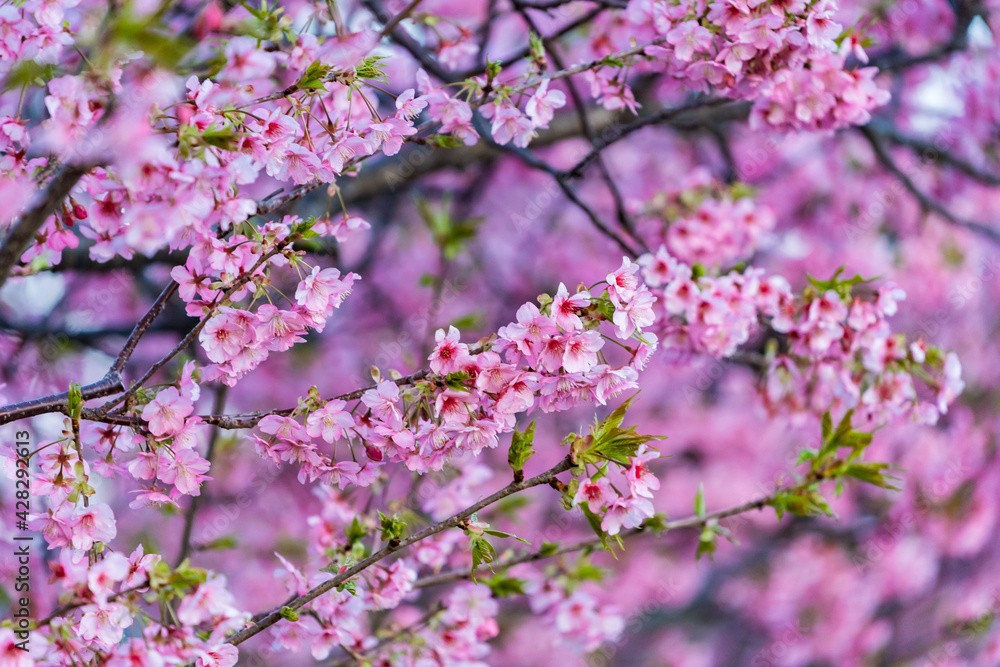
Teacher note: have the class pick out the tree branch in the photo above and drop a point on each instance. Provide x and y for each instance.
(304, 599)
(689, 522)
(47, 202)
(925, 201)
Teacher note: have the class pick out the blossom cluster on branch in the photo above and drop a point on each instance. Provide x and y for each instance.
(362, 435)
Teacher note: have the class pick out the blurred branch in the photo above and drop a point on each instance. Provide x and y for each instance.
(47, 202)
(218, 405)
(925, 201)
(895, 59)
(928, 151)
(580, 107)
(400, 36)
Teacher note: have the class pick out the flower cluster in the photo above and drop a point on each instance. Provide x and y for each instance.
(842, 354)
(551, 358)
(107, 596)
(704, 222)
(580, 619)
(781, 54)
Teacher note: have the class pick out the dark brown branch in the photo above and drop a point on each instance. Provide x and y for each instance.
(400, 37)
(580, 107)
(391, 24)
(189, 338)
(106, 386)
(524, 52)
(693, 114)
(142, 326)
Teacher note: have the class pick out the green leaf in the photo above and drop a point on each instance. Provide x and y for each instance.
(587, 571)
(392, 527)
(220, 544)
(29, 73)
(548, 549)
(707, 543)
(493, 68)
(470, 321)
(502, 586)
(75, 400)
(371, 68)
(827, 426)
(608, 441)
(445, 141)
(459, 381)
(699, 501)
(841, 287)
(501, 534)
(872, 474)
(483, 553)
(521, 449)
(288, 614)
(314, 77)
(356, 531)
(800, 501)
(595, 525)
(806, 455)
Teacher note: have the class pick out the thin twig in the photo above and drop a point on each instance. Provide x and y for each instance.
(689, 522)
(218, 405)
(304, 599)
(923, 199)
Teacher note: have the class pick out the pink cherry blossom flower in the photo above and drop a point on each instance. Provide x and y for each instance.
(626, 513)
(330, 421)
(449, 354)
(105, 624)
(494, 375)
(688, 38)
(185, 470)
(323, 290)
(542, 105)
(166, 412)
(580, 351)
(221, 655)
(283, 428)
(564, 308)
(11, 655)
(641, 481)
(390, 133)
(409, 106)
(623, 282)
(509, 124)
(597, 493)
(635, 314)
(92, 524)
(382, 402)
(105, 575)
(223, 337)
(279, 329)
